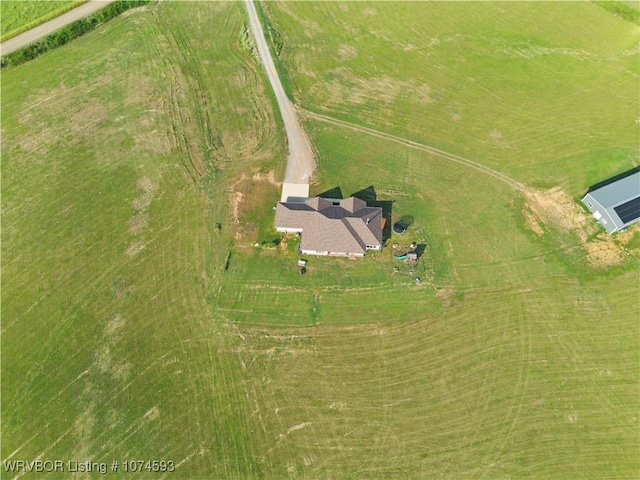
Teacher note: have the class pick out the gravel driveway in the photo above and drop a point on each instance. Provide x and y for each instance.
(301, 162)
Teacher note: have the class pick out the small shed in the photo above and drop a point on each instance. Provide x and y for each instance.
(302, 262)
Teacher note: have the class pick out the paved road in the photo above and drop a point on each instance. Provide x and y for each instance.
(51, 26)
(301, 162)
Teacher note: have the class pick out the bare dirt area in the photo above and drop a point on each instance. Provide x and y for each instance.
(247, 193)
(448, 296)
(138, 223)
(148, 189)
(604, 252)
(553, 209)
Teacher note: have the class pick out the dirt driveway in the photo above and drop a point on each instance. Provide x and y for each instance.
(301, 162)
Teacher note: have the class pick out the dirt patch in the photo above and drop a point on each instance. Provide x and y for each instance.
(153, 413)
(269, 177)
(532, 223)
(347, 52)
(146, 185)
(39, 143)
(152, 141)
(103, 359)
(113, 325)
(236, 201)
(138, 223)
(347, 88)
(299, 426)
(134, 249)
(148, 189)
(555, 209)
(87, 118)
(448, 296)
(422, 93)
(604, 253)
(143, 201)
(83, 430)
(245, 195)
(624, 238)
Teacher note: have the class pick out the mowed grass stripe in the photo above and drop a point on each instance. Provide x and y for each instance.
(519, 369)
(108, 333)
(447, 385)
(480, 81)
(424, 148)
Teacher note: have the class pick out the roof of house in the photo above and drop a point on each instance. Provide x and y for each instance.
(617, 204)
(347, 227)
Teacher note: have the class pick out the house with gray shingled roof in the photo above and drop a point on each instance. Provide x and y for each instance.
(616, 205)
(345, 227)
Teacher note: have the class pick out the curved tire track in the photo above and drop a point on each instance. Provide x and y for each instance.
(418, 146)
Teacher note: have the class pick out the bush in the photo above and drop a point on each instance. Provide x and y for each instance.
(272, 243)
(68, 33)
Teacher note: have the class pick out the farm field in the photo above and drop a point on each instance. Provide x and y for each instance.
(110, 345)
(19, 16)
(140, 171)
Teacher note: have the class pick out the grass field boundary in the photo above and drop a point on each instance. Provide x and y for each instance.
(619, 9)
(69, 32)
(40, 20)
(275, 44)
(418, 146)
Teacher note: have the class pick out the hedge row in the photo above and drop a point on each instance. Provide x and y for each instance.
(68, 33)
(40, 20)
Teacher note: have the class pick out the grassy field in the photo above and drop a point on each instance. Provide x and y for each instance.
(549, 102)
(140, 171)
(20, 16)
(111, 181)
(503, 363)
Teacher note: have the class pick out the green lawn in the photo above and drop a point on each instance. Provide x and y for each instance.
(110, 189)
(20, 16)
(524, 367)
(134, 327)
(549, 101)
